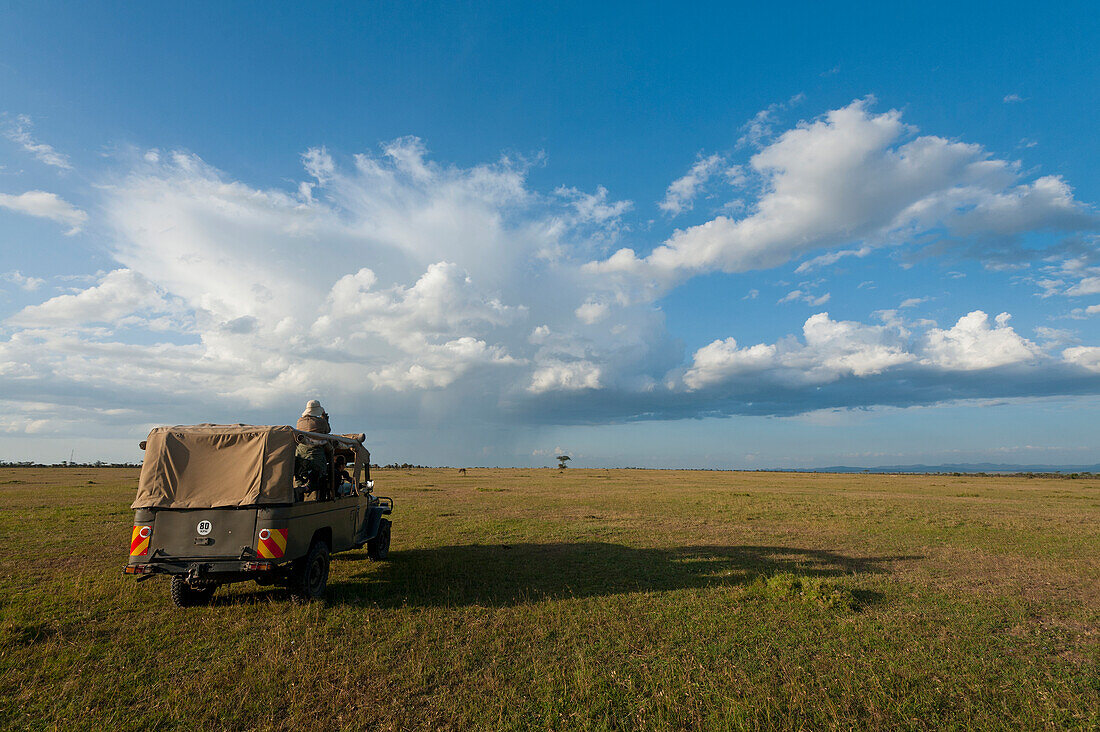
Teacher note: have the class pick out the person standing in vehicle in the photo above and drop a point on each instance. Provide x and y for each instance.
(311, 461)
(314, 419)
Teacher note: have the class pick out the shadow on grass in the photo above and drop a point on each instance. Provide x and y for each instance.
(501, 575)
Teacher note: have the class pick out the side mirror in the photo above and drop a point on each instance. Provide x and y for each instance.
(142, 444)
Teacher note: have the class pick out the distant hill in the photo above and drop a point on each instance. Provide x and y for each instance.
(958, 468)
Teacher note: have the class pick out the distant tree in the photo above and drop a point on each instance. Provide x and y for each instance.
(562, 460)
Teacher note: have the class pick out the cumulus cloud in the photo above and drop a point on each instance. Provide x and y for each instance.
(1087, 357)
(973, 344)
(562, 376)
(442, 302)
(119, 295)
(394, 279)
(46, 206)
(855, 177)
(830, 350)
(723, 359)
(439, 366)
(418, 292)
(19, 132)
(592, 312)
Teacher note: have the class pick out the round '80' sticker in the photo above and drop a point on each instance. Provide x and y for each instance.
(204, 527)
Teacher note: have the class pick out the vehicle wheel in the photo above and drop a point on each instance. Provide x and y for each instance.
(184, 595)
(311, 578)
(378, 548)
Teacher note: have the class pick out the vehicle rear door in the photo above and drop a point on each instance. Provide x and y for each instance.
(204, 532)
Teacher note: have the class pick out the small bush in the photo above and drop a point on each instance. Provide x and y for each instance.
(818, 590)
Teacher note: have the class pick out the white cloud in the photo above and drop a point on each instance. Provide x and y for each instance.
(565, 376)
(681, 194)
(19, 132)
(439, 366)
(807, 297)
(829, 350)
(412, 290)
(823, 260)
(442, 302)
(832, 350)
(409, 156)
(758, 130)
(847, 347)
(46, 206)
(592, 312)
(1086, 286)
(912, 302)
(855, 177)
(401, 278)
(723, 359)
(1055, 336)
(1074, 271)
(318, 163)
(16, 277)
(595, 207)
(1087, 357)
(118, 295)
(1012, 99)
(972, 344)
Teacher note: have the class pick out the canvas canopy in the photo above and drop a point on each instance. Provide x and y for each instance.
(210, 466)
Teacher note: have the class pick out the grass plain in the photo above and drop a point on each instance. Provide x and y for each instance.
(581, 599)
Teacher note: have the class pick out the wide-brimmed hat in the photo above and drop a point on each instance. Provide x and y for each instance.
(313, 409)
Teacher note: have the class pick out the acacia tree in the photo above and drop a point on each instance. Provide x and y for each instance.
(562, 459)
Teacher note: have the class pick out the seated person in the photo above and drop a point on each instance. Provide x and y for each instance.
(343, 477)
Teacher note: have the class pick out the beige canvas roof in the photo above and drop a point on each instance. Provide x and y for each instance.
(209, 466)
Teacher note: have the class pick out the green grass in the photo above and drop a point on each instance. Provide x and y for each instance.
(585, 599)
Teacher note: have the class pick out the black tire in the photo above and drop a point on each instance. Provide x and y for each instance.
(184, 595)
(310, 578)
(378, 548)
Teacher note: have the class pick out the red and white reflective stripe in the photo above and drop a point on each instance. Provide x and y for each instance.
(271, 544)
(139, 540)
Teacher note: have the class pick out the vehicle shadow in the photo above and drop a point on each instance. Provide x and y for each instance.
(502, 575)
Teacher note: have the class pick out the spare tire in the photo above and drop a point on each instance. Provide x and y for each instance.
(184, 595)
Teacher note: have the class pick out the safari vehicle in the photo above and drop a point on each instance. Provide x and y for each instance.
(220, 503)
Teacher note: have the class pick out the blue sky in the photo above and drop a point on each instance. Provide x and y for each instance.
(641, 234)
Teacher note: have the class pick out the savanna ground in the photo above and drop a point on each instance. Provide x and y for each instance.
(585, 599)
